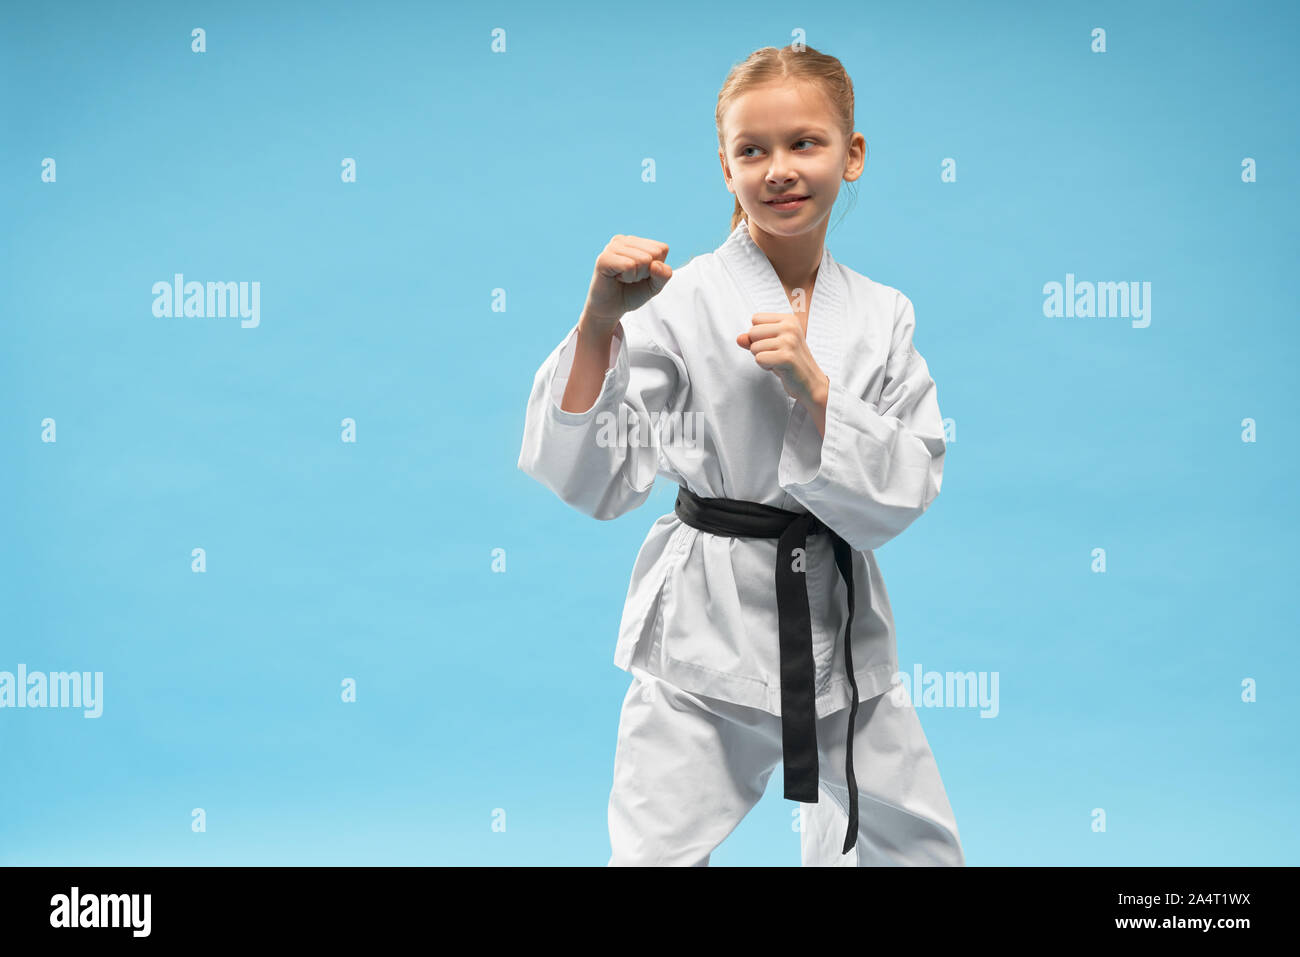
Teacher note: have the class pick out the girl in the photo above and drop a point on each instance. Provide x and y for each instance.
(782, 392)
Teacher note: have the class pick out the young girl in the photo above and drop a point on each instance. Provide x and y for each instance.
(782, 392)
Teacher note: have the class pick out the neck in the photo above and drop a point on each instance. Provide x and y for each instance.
(795, 258)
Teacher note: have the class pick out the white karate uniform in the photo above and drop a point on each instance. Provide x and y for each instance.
(700, 617)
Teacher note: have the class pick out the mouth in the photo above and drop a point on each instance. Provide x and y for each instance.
(790, 201)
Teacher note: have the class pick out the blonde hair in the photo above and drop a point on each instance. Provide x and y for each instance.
(772, 65)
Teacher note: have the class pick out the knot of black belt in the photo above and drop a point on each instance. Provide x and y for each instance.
(734, 517)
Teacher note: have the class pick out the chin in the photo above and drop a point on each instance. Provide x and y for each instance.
(783, 224)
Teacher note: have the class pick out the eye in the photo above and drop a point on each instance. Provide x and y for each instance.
(744, 152)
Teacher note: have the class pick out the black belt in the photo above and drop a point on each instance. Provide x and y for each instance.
(734, 517)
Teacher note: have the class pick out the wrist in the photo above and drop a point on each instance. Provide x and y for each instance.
(821, 391)
(595, 339)
(595, 328)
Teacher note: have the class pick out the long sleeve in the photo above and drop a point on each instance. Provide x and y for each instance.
(877, 469)
(603, 461)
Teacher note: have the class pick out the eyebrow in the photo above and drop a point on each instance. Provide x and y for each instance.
(745, 134)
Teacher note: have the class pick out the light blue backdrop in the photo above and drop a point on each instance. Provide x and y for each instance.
(476, 171)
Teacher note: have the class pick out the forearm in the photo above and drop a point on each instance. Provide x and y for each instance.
(816, 406)
(876, 474)
(590, 363)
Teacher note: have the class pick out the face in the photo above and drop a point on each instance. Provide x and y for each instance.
(784, 140)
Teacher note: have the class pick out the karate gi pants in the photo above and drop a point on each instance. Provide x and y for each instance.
(688, 768)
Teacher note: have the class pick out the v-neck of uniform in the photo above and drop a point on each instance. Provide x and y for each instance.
(761, 286)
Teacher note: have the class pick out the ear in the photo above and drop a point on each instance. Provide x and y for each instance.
(856, 159)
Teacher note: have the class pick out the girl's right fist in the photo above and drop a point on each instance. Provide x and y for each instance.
(629, 272)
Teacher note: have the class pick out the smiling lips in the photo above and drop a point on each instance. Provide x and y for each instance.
(783, 199)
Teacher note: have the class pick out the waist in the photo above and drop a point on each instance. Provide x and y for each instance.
(737, 517)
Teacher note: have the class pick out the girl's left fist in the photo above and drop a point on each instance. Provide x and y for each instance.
(778, 344)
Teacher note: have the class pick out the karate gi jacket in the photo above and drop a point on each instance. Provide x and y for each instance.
(701, 609)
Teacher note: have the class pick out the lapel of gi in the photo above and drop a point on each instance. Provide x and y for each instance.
(761, 286)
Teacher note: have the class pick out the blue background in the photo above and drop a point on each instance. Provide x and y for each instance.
(478, 171)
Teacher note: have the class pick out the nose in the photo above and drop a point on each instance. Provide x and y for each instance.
(779, 172)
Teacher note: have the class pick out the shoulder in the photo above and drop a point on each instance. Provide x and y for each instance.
(669, 320)
(876, 297)
(883, 306)
(681, 297)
